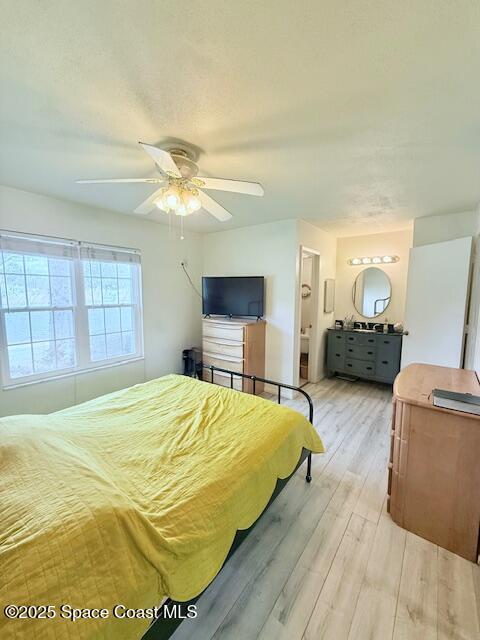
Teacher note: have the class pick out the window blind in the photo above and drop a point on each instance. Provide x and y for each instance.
(66, 306)
(37, 245)
(108, 254)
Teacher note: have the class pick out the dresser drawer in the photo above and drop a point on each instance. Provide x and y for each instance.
(336, 337)
(353, 338)
(336, 360)
(232, 364)
(223, 347)
(389, 341)
(335, 347)
(388, 357)
(212, 330)
(360, 367)
(224, 380)
(360, 352)
(361, 339)
(387, 368)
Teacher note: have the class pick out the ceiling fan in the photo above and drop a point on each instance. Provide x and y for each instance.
(180, 188)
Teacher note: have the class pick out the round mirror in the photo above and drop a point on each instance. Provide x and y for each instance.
(371, 292)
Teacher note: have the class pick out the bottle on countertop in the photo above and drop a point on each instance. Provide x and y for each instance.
(385, 326)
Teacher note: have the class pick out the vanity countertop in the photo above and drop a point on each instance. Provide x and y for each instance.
(367, 331)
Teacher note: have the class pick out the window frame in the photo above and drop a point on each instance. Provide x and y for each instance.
(81, 335)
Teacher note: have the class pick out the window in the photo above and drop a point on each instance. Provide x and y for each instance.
(66, 306)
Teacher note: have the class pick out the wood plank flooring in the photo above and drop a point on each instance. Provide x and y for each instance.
(327, 562)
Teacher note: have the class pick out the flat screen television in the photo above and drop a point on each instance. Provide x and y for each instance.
(233, 296)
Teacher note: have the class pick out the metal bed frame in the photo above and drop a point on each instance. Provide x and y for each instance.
(165, 625)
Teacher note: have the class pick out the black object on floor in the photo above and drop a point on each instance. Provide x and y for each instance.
(192, 363)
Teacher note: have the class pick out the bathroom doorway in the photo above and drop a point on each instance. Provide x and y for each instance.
(309, 300)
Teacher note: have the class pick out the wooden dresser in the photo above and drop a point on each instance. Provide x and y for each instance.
(236, 345)
(434, 469)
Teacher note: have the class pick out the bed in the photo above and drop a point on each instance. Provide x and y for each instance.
(132, 498)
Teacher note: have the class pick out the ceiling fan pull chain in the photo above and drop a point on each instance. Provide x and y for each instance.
(182, 237)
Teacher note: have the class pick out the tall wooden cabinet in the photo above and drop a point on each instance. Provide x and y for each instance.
(434, 470)
(237, 345)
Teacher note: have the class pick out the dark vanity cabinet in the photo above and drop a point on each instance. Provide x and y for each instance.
(373, 356)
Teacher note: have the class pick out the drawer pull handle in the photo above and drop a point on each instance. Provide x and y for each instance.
(349, 365)
(351, 338)
(338, 337)
(338, 355)
(384, 361)
(370, 353)
(371, 340)
(369, 368)
(351, 350)
(386, 342)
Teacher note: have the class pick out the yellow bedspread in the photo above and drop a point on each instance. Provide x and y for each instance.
(132, 497)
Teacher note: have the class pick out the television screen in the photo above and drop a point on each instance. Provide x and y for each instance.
(236, 296)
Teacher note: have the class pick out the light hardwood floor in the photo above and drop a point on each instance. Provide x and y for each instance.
(326, 561)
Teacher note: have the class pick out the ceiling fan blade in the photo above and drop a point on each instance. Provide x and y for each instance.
(237, 186)
(213, 207)
(148, 204)
(149, 180)
(162, 159)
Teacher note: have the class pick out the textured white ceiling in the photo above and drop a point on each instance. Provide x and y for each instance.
(356, 115)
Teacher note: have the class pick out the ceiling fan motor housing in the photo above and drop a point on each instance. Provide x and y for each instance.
(187, 167)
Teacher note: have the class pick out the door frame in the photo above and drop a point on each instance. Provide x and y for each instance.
(314, 341)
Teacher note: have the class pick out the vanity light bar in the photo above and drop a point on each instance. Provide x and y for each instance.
(355, 262)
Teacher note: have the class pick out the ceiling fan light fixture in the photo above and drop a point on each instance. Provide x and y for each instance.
(192, 202)
(181, 210)
(172, 198)
(162, 205)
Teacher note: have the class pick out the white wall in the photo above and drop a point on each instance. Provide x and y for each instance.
(311, 237)
(263, 250)
(172, 310)
(392, 243)
(449, 226)
(274, 250)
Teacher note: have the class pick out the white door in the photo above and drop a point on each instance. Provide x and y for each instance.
(437, 292)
